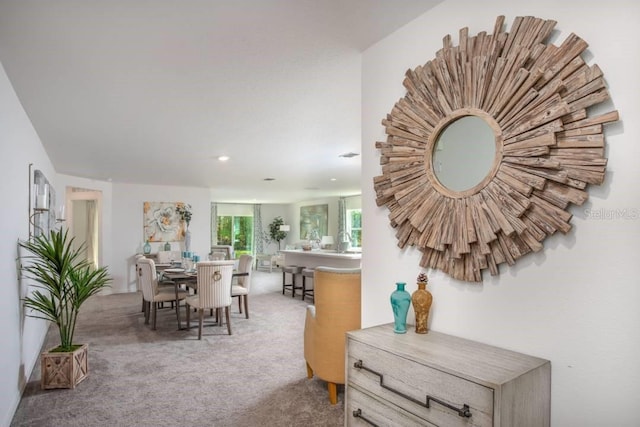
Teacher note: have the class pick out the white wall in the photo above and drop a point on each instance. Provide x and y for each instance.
(66, 182)
(127, 231)
(352, 202)
(576, 302)
(269, 212)
(22, 336)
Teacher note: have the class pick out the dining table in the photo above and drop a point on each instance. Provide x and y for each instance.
(189, 278)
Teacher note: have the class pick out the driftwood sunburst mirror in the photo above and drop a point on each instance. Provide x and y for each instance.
(544, 147)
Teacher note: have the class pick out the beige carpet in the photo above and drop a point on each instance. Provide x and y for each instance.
(140, 377)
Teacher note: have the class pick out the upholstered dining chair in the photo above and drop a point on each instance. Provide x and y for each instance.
(228, 250)
(242, 284)
(163, 257)
(166, 257)
(214, 291)
(152, 294)
(336, 310)
(138, 283)
(217, 256)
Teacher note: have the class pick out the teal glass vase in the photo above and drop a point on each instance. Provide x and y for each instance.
(400, 302)
(146, 248)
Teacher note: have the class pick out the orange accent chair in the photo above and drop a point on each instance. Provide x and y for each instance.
(336, 310)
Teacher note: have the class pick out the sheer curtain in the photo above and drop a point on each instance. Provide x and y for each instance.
(342, 218)
(214, 224)
(92, 233)
(258, 241)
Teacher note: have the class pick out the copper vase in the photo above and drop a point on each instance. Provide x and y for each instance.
(421, 300)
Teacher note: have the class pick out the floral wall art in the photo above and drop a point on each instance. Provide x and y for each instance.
(162, 222)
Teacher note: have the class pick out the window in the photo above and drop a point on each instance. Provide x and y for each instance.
(236, 231)
(354, 227)
(235, 227)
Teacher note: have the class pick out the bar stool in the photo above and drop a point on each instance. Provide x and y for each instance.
(307, 273)
(293, 270)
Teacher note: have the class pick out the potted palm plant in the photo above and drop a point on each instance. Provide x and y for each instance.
(64, 280)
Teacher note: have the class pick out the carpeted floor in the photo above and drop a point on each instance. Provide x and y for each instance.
(141, 377)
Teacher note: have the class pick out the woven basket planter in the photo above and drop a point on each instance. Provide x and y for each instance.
(64, 370)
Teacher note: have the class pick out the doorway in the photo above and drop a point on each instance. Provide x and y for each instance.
(83, 222)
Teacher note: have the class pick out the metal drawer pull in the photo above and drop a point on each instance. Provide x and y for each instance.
(463, 412)
(358, 414)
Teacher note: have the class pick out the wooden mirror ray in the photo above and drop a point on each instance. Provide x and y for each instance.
(550, 147)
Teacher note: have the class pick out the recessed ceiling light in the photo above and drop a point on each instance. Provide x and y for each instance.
(223, 158)
(269, 179)
(349, 154)
(333, 179)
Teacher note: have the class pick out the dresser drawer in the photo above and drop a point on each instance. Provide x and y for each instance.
(373, 410)
(408, 385)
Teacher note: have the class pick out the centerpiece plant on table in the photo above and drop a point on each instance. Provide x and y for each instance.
(64, 280)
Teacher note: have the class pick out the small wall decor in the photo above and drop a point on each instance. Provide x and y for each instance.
(162, 222)
(546, 148)
(42, 202)
(314, 219)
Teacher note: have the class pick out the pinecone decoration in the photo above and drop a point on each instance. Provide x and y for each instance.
(422, 278)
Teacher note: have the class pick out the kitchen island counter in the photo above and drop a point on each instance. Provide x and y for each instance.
(320, 257)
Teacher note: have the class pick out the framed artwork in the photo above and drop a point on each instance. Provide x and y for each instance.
(314, 218)
(162, 223)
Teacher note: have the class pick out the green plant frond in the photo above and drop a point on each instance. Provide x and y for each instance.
(88, 282)
(63, 280)
(42, 304)
(35, 316)
(42, 279)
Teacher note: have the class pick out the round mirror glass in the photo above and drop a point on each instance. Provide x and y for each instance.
(464, 153)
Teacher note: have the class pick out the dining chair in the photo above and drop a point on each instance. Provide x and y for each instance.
(152, 294)
(214, 291)
(161, 283)
(138, 284)
(217, 256)
(228, 250)
(242, 284)
(166, 257)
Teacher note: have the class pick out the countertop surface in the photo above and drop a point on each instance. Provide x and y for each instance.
(324, 253)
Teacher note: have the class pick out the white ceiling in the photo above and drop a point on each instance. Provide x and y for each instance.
(153, 91)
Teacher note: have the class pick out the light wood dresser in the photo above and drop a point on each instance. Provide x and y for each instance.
(441, 380)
